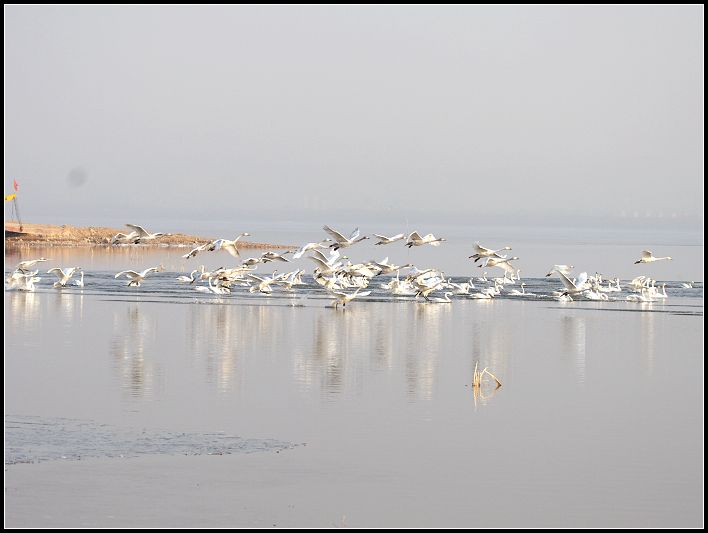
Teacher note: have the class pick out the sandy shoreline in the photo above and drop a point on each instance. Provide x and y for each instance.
(66, 235)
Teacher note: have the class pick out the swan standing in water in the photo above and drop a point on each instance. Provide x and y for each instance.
(647, 257)
(137, 277)
(64, 275)
(522, 292)
(445, 300)
(189, 279)
(80, 282)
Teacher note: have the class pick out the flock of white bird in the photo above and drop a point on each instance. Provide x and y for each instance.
(345, 281)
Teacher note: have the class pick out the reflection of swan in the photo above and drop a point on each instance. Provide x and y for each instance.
(647, 257)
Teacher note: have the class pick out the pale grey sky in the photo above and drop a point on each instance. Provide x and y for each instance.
(199, 112)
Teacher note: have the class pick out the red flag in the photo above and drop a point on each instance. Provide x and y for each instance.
(14, 183)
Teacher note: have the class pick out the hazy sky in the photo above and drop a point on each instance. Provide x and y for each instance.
(305, 111)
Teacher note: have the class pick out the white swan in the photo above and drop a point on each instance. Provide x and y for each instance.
(502, 263)
(576, 287)
(125, 238)
(388, 240)
(216, 289)
(414, 239)
(228, 245)
(201, 248)
(143, 234)
(23, 266)
(688, 285)
(272, 256)
(310, 246)
(64, 275)
(264, 284)
(344, 298)
(80, 282)
(522, 292)
(188, 279)
(342, 241)
(137, 277)
(565, 269)
(647, 257)
(481, 251)
(445, 300)
(23, 281)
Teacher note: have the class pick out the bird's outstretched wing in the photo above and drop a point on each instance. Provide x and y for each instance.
(334, 233)
(141, 231)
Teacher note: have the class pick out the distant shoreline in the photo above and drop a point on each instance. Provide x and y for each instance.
(66, 235)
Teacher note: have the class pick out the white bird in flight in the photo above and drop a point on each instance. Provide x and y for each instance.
(64, 275)
(137, 277)
(310, 246)
(481, 251)
(647, 257)
(342, 241)
(388, 240)
(344, 298)
(25, 265)
(414, 239)
(143, 234)
(576, 287)
(502, 263)
(565, 269)
(229, 246)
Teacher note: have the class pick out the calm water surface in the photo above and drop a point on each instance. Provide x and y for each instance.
(598, 422)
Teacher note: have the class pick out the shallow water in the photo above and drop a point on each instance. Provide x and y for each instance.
(598, 421)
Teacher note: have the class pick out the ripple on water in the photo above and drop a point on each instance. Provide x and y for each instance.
(31, 439)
